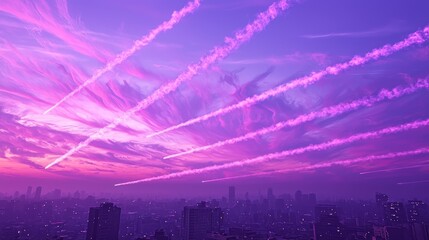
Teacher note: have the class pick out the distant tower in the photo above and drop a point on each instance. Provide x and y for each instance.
(271, 198)
(312, 198)
(160, 235)
(76, 195)
(417, 212)
(29, 189)
(270, 194)
(38, 193)
(394, 213)
(231, 195)
(56, 194)
(298, 196)
(327, 225)
(200, 220)
(381, 200)
(103, 222)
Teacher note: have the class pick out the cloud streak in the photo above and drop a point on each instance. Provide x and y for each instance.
(145, 40)
(325, 112)
(417, 37)
(292, 152)
(261, 21)
(330, 164)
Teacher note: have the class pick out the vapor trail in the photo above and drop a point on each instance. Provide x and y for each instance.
(324, 112)
(328, 164)
(406, 183)
(268, 157)
(414, 38)
(395, 169)
(217, 53)
(145, 40)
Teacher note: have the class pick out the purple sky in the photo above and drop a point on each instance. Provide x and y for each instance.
(49, 48)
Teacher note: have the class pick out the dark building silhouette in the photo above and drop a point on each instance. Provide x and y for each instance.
(312, 198)
(417, 212)
(29, 189)
(160, 235)
(380, 200)
(231, 195)
(38, 193)
(200, 220)
(103, 222)
(56, 194)
(298, 196)
(9, 233)
(327, 225)
(394, 213)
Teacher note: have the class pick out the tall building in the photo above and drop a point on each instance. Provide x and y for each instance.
(270, 194)
(56, 194)
(327, 225)
(271, 198)
(9, 233)
(38, 193)
(298, 196)
(417, 212)
(380, 199)
(28, 195)
(103, 222)
(231, 194)
(312, 198)
(394, 214)
(200, 220)
(160, 235)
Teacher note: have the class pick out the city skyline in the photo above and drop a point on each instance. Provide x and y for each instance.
(196, 90)
(272, 215)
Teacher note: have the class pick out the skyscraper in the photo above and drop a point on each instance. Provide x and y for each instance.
(417, 212)
(200, 220)
(38, 193)
(271, 198)
(394, 213)
(160, 235)
(298, 196)
(231, 195)
(103, 222)
(327, 225)
(380, 199)
(29, 189)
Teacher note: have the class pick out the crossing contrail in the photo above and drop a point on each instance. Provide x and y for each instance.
(145, 40)
(414, 38)
(329, 164)
(325, 112)
(310, 148)
(217, 53)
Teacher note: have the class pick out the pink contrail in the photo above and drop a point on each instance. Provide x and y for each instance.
(325, 112)
(268, 157)
(145, 40)
(219, 52)
(395, 169)
(414, 38)
(328, 164)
